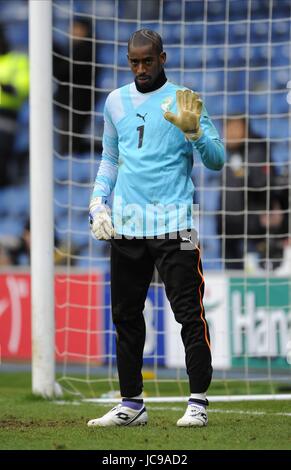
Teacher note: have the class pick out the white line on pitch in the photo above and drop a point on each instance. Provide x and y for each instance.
(242, 412)
(180, 408)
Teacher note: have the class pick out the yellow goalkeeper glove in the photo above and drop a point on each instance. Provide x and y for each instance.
(189, 106)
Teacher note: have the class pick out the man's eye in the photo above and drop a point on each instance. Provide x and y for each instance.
(149, 62)
(134, 62)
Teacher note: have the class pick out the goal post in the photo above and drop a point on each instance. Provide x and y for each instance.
(41, 198)
(238, 58)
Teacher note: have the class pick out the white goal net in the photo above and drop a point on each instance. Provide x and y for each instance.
(237, 55)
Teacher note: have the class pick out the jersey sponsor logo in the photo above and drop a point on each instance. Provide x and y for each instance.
(141, 116)
(185, 239)
(167, 103)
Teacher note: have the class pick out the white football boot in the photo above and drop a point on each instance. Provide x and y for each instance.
(121, 416)
(195, 415)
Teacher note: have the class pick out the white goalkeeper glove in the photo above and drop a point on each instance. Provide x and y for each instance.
(100, 219)
(189, 106)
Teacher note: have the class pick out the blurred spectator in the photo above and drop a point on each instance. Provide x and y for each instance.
(14, 86)
(16, 251)
(74, 67)
(244, 191)
(272, 232)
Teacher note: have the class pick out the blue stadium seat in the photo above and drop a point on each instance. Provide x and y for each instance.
(100, 102)
(193, 80)
(175, 77)
(124, 77)
(280, 153)
(218, 121)
(80, 196)
(216, 11)
(105, 8)
(258, 79)
(61, 168)
(172, 34)
(215, 34)
(235, 103)
(281, 55)
(259, 56)
(17, 36)
(280, 78)
(80, 232)
(11, 226)
(259, 126)
(214, 57)
(122, 56)
(4, 206)
(260, 9)
(193, 34)
(105, 30)
(173, 57)
(215, 104)
(155, 26)
(281, 9)
(238, 10)
(61, 226)
(22, 135)
(259, 32)
(61, 28)
(95, 255)
(61, 195)
(279, 128)
(90, 168)
(105, 54)
(98, 127)
(194, 11)
(236, 80)
(237, 33)
(83, 6)
(172, 11)
(59, 211)
(279, 103)
(258, 103)
(125, 30)
(236, 56)
(68, 226)
(193, 57)
(105, 78)
(281, 31)
(207, 195)
(82, 171)
(274, 128)
(15, 201)
(213, 82)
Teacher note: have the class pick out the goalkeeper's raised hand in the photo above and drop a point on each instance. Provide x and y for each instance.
(189, 106)
(100, 219)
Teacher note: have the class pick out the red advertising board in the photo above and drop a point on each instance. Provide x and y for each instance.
(78, 317)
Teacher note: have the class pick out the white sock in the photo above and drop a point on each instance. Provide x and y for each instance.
(198, 396)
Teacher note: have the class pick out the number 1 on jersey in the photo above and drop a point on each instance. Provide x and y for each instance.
(140, 130)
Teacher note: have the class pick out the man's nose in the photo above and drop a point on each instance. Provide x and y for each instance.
(140, 68)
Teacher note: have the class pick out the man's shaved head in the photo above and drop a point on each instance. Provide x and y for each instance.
(146, 37)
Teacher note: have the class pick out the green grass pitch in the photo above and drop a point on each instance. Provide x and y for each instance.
(31, 423)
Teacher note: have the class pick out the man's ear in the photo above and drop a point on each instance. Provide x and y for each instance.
(163, 57)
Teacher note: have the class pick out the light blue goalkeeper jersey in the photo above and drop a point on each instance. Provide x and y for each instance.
(147, 161)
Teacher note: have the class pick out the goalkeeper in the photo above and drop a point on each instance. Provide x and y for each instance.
(151, 128)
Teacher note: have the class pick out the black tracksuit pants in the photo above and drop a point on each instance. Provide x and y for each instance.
(132, 267)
